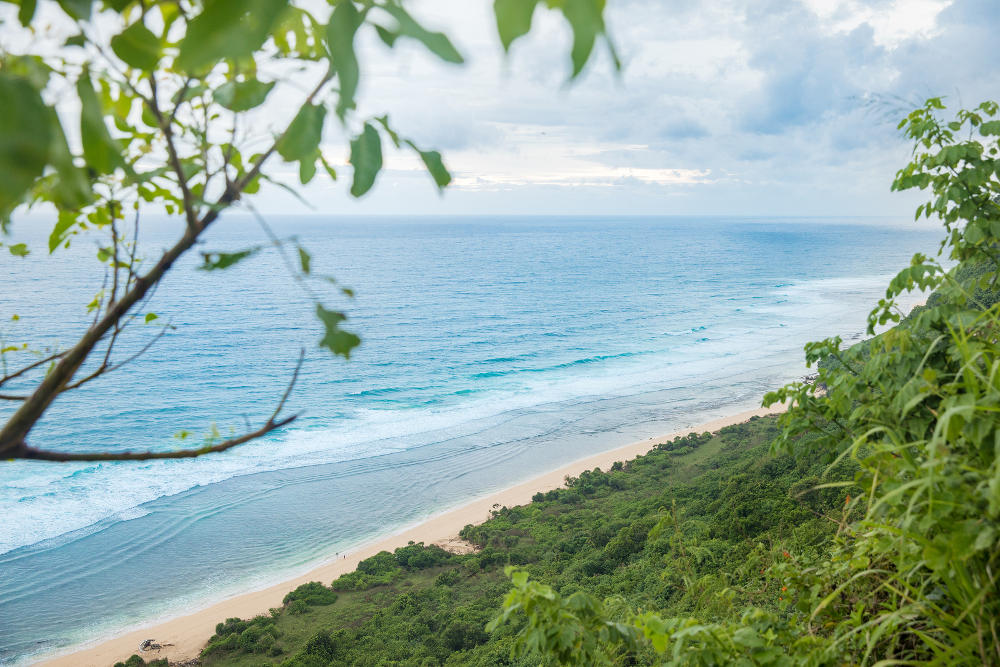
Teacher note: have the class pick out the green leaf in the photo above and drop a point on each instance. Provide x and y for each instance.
(366, 158)
(336, 339)
(150, 317)
(18, 250)
(432, 160)
(307, 168)
(26, 12)
(61, 230)
(513, 19)
(305, 259)
(585, 19)
(71, 189)
(214, 261)
(393, 135)
(989, 128)
(344, 24)
(329, 169)
(77, 9)
(99, 150)
(227, 29)
(188, 93)
(75, 40)
(25, 139)
(387, 36)
(137, 46)
(242, 95)
(436, 42)
(303, 135)
(148, 117)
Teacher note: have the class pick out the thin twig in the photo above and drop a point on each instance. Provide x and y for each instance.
(280, 246)
(272, 424)
(175, 163)
(106, 368)
(46, 455)
(114, 259)
(35, 364)
(142, 351)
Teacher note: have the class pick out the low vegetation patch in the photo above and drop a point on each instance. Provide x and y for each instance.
(693, 526)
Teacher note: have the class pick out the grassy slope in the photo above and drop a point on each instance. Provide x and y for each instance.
(726, 505)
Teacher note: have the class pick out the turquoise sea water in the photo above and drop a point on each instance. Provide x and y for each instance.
(494, 349)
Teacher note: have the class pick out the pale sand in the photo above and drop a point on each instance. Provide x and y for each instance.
(189, 633)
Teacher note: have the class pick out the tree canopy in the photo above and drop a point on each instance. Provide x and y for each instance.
(118, 108)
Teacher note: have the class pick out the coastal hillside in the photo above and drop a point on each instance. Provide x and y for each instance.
(860, 527)
(692, 527)
(291, 284)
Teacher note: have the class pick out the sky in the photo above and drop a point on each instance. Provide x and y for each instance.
(723, 107)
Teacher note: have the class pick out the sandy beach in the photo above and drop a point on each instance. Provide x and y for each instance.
(187, 634)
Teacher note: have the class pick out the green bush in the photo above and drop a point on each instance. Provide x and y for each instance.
(416, 556)
(313, 593)
(258, 635)
(448, 578)
(138, 661)
(380, 564)
(322, 645)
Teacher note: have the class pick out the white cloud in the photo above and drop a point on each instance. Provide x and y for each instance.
(724, 107)
(891, 22)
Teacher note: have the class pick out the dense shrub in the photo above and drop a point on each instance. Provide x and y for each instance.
(258, 635)
(313, 593)
(322, 645)
(298, 607)
(419, 557)
(138, 661)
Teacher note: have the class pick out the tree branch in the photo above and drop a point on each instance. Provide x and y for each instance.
(272, 424)
(26, 452)
(175, 162)
(15, 431)
(107, 367)
(36, 364)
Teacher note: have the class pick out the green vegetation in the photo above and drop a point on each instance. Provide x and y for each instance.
(861, 527)
(910, 577)
(175, 108)
(694, 526)
(137, 661)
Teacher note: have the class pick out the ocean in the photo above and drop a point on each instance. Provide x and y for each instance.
(494, 349)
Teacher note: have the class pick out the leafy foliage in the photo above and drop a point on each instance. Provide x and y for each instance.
(176, 108)
(694, 527)
(313, 594)
(910, 576)
(258, 636)
(138, 661)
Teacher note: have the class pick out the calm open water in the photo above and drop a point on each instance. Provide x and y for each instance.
(494, 349)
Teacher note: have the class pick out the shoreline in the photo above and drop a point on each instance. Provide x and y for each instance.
(188, 633)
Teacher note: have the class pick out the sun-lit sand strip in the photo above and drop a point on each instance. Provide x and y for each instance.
(188, 634)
